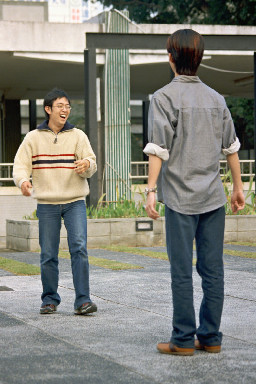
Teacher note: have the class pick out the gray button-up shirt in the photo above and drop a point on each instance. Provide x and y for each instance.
(189, 126)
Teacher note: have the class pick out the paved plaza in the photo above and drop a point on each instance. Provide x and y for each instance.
(118, 343)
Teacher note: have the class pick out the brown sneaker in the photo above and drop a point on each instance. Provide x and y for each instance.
(207, 348)
(172, 349)
(48, 309)
(86, 308)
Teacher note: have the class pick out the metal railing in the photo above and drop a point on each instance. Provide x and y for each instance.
(6, 172)
(247, 168)
(139, 169)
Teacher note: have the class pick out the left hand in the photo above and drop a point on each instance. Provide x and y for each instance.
(81, 166)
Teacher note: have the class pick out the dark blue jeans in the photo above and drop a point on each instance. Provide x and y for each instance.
(75, 220)
(208, 230)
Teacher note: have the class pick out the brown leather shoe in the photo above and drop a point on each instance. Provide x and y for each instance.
(172, 349)
(207, 348)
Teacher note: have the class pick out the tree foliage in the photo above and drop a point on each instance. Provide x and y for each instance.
(242, 114)
(229, 12)
(216, 12)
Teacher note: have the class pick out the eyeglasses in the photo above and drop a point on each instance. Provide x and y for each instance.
(62, 106)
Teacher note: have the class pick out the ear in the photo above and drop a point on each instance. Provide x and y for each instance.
(48, 109)
(170, 58)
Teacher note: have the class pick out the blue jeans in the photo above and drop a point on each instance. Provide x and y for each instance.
(208, 230)
(75, 220)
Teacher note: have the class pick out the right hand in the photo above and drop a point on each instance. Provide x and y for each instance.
(237, 201)
(151, 205)
(26, 188)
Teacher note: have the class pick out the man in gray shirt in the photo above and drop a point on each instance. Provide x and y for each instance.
(189, 126)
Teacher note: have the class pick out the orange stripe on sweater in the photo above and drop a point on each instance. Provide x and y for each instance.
(61, 154)
(53, 167)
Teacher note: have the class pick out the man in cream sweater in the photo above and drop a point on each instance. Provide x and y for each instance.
(60, 159)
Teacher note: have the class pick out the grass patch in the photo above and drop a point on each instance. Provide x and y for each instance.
(163, 255)
(232, 252)
(137, 251)
(111, 264)
(18, 267)
(104, 263)
(247, 244)
(140, 252)
(248, 255)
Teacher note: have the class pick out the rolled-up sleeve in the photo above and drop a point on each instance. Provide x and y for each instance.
(160, 131)
(153, 149)
(230, 142)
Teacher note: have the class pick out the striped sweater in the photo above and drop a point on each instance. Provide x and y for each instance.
(49, 158)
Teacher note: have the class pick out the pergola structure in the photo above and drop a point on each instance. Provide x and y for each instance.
(140, 42)
(33, 59)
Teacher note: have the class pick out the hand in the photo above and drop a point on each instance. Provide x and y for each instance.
(81, 166)
(151, 205)
(26, 188)
(237, 201)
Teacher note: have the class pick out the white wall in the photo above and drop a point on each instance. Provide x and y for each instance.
(23, 11)
(13, 205)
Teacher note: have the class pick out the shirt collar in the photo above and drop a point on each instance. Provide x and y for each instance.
(186, 79)
(67, 126)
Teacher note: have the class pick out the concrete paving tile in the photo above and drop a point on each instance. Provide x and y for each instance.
(118, 343)
(29, 355)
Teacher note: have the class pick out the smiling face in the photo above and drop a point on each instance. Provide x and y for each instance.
(58, 113)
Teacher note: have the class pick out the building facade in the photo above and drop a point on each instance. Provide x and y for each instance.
(63, 11)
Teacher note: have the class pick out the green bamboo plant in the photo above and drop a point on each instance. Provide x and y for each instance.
(250, 198)
(121, 208)
(131, 208)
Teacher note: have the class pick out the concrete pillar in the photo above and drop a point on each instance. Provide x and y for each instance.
(32, 114)
(1, 129)
(11, 130)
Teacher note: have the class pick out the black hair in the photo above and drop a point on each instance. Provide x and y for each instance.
(187, 48)
(53, 95)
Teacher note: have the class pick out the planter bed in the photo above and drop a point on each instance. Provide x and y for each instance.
(22, 235)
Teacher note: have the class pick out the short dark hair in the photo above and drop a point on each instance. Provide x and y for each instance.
(187, 48)
(53, 95)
